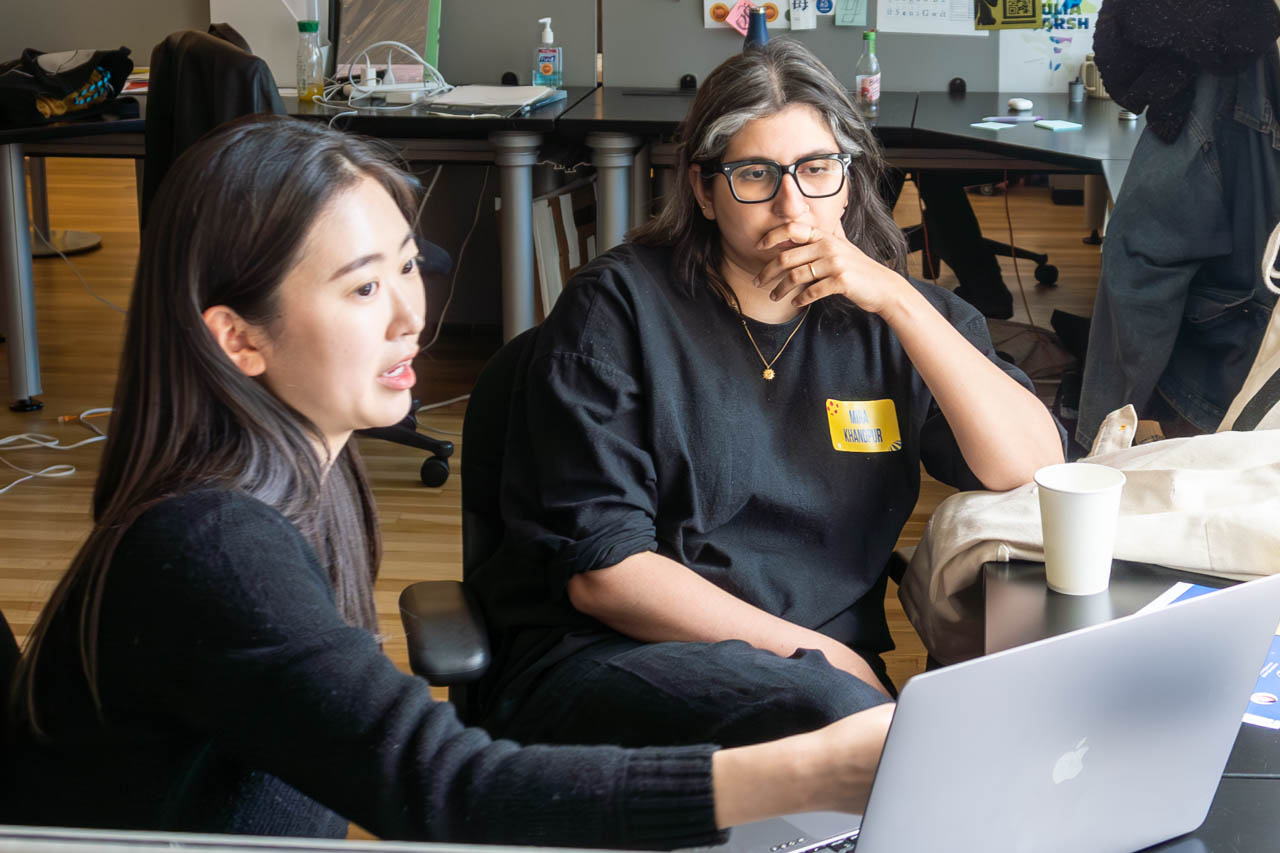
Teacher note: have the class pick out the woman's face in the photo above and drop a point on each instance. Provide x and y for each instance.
(796, 132)
(349, 316)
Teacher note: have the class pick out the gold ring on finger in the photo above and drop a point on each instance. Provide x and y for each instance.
(813, 275)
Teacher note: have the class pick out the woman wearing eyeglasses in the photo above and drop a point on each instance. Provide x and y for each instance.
(730, 413)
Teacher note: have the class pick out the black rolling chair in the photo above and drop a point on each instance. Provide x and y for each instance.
(448, 642)
(1045, 272)
(201, 80)
(953, 230)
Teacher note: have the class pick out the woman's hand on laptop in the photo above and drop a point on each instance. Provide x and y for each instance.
(829, 769)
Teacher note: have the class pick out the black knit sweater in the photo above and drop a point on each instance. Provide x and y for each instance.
(1149, 52)
(235, 699)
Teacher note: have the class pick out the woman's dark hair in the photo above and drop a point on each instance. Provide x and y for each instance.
(228, 223)
(755, 84)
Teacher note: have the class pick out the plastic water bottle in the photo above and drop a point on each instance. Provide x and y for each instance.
(867, 76)
(757, 29)
(310, 61)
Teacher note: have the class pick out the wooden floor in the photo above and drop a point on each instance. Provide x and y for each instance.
(42, 522)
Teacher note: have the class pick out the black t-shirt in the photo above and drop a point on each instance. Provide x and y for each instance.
(235, 699)
(643, 423)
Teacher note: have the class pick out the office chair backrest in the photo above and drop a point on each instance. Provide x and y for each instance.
(199, 81)
(484, 437)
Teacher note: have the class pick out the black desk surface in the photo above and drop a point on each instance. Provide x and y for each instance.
(413, 122)
(122, 116)
(1245, 814)
(656, 112)
(943, 120)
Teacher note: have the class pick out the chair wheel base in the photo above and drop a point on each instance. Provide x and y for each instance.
(435, 471)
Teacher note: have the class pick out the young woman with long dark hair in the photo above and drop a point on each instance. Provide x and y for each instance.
(209, 661)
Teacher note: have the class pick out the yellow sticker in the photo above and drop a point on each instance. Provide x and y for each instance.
(864, 426)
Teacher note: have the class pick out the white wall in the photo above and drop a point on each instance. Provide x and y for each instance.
(52, 25)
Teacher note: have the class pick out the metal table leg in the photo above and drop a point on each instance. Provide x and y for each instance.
(612, 155)
(516, 152)
(641, 188)
(16, 283)
(46, 242)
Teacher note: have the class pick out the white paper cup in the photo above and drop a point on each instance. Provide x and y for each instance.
(1079, 507)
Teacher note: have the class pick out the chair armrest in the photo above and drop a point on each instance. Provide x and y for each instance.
(446, 633)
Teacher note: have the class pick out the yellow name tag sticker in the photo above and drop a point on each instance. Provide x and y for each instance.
(864, 426)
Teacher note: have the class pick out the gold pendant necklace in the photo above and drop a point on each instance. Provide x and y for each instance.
(768, 373)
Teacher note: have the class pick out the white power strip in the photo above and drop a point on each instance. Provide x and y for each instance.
(392, 93)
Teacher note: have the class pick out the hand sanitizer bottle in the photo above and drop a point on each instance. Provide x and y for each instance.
(548, 60)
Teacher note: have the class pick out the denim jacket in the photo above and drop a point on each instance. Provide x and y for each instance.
(1181, 307)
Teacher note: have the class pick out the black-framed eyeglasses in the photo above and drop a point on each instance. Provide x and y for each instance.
(755, 181)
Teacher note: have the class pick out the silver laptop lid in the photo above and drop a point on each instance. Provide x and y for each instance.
(1111, 738)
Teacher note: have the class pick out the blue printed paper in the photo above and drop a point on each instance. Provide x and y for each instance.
(1264, 701)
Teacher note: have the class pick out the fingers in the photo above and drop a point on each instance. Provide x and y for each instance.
(801, 271)
(795, 232)
(818, 290)
(791, 261)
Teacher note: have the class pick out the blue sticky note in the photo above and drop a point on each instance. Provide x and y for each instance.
(1055, 124)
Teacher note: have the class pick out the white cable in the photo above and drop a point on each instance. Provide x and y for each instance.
(453, 282)
(344, 114)
(429, 406)
(423, 204)
(40, 441)
(51, 472)
(440, 430)
(433, 82)
(36, 440)
(74, 269)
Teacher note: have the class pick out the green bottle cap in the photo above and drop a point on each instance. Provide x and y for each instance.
(308, 26)
(869, 35)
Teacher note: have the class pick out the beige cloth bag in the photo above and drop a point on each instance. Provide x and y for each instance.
(1259, 399)
(1207, 504)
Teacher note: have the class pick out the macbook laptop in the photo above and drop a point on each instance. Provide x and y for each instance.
(1110, 738)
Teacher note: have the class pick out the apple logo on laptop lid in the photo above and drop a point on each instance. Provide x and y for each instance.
(1070, 763)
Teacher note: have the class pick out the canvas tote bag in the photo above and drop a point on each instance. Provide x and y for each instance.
(1209, 503)
(1257, 406)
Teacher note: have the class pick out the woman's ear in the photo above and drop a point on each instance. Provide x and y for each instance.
(236, 337)
(700, 192)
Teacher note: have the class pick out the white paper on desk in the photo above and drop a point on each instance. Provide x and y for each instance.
(992, 125)
(492, 96)
(1057, 124)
